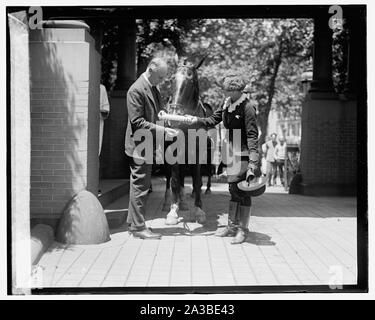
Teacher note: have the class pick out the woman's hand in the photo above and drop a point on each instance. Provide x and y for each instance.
(249, 175)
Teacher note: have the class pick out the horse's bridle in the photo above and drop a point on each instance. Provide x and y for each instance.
(174, 106)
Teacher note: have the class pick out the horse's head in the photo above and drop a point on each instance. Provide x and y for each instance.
(185, 90)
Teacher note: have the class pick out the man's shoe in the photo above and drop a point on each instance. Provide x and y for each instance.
(146, 234)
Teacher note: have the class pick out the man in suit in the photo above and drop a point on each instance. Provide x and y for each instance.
(144, 103)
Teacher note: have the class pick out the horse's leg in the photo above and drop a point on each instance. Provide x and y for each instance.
(209, 166)
(197, 185)
(182, 175)
(182, 203)
(167, 195)
(199, 214)
(172, 216)
(208, 188)
(191, 170)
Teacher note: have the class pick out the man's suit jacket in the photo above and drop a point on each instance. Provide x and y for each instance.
(142, 112)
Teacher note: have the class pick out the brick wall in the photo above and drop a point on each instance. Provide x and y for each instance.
(329, 145)
(64, 118)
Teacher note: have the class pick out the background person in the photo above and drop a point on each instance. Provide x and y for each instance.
(280, 154)
(271, 170)
(104, 109)
(104, 113)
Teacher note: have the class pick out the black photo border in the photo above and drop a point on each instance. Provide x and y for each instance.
(223, 11)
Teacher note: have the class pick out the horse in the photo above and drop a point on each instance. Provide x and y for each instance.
(185, 101)
(206, 170)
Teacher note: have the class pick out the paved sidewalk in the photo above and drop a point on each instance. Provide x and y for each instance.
(294, 240)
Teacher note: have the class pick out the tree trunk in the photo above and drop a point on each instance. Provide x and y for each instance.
(265, 109)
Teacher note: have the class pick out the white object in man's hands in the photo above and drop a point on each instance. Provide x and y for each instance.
(190, 119)
(171, 117)
(170, 133)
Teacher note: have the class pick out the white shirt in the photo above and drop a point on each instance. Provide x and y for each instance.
(280, 151)
(104, 103)
(148, 81)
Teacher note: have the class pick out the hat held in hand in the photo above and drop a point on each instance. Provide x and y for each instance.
(255, 187)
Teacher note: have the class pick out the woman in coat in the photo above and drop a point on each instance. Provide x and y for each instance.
(239, 118)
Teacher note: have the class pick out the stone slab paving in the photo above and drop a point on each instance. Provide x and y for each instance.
(294, 240)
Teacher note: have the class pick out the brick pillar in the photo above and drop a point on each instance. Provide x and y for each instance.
(65, 75)
(20, 152)
(328, 142)
(322, 55)
(115, 162)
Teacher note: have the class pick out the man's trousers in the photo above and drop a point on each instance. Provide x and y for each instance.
(271, 172)
(140, 181)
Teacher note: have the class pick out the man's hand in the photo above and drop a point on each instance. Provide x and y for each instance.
(170, 133)
(249, 175)
(190, 119)
(104, 114)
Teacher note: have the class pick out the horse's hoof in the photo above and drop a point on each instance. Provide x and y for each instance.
(183, 206)
(200, 216)
(208, 191)
(172, 216)
(172, 221)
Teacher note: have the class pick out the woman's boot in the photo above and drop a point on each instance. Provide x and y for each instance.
(231, 229)
(243, 217)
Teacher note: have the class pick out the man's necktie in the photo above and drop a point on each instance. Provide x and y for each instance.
(156, 95)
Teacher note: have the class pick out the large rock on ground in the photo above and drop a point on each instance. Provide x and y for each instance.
(41, 239)
(83, 221)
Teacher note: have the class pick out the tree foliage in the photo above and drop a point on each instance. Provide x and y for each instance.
(340, 57)
(271, 54)
(154, 37)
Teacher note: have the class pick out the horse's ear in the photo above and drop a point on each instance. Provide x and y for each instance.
(176, 58)
(200, 62)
